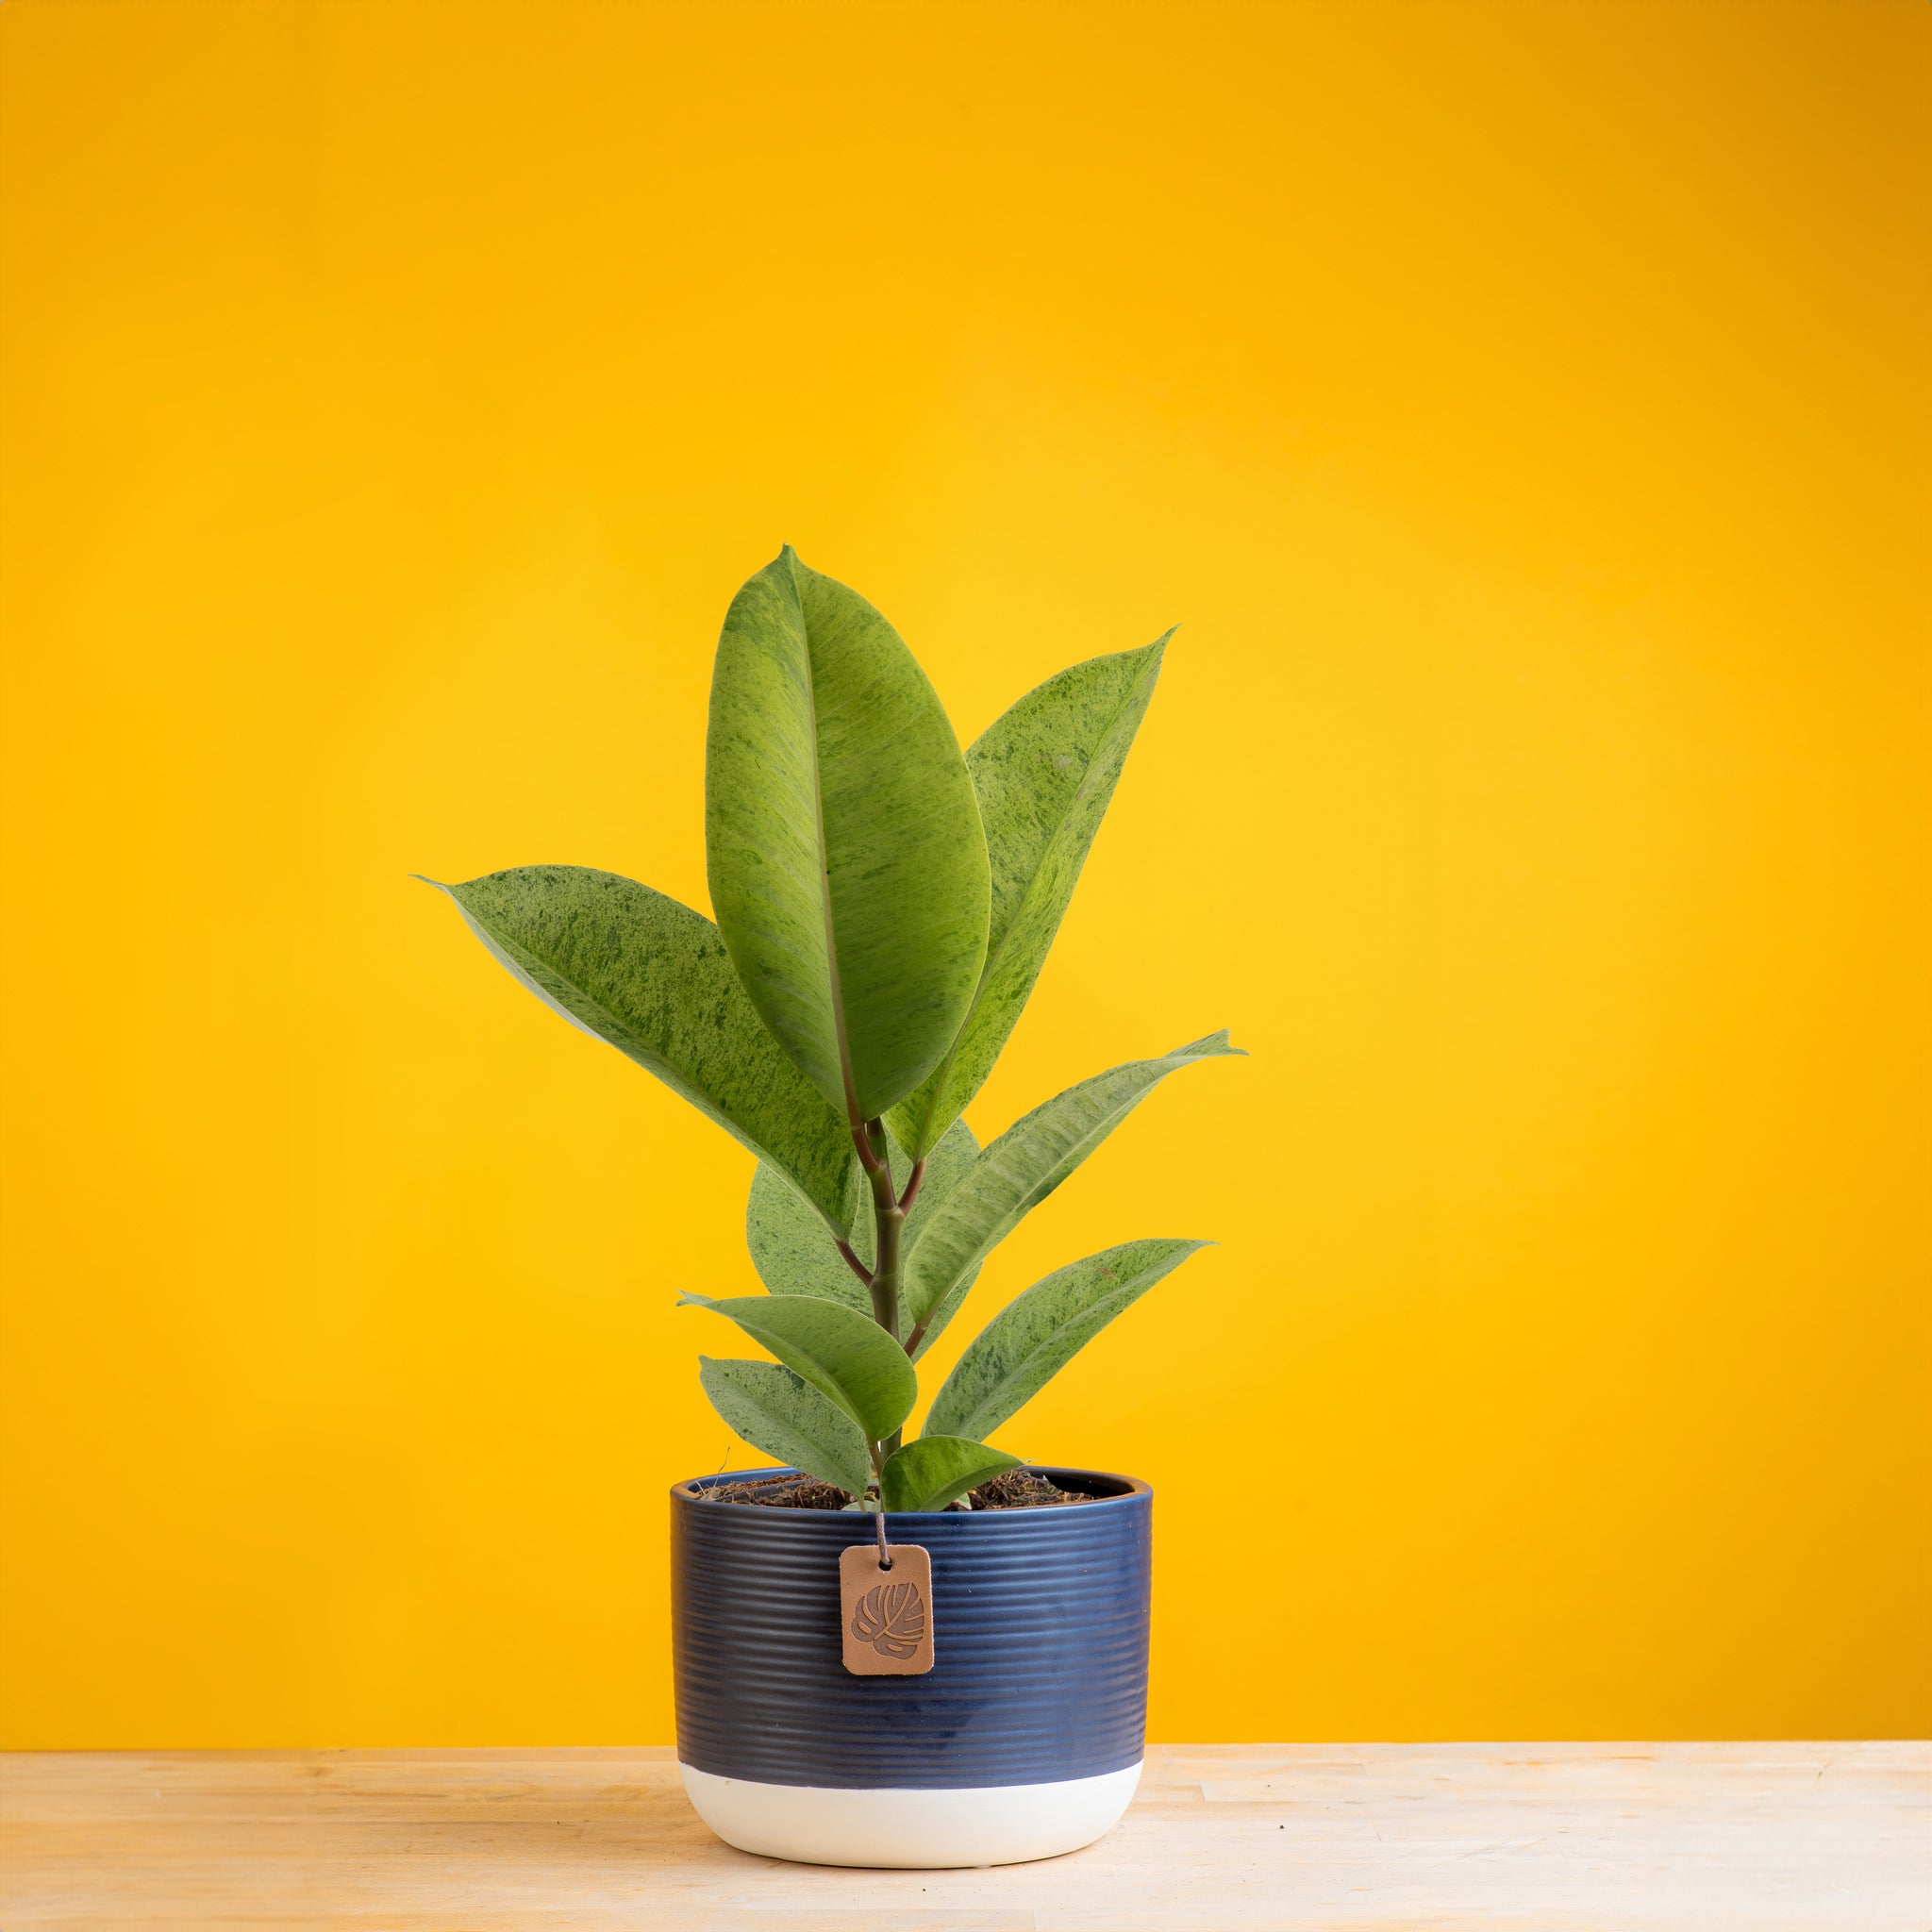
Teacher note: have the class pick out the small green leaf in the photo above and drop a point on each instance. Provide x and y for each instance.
(1038, 1333)
(930, 1473)
(842, 1354)
(793, 1251)
(653, 978)
(1043, 773)
(792, 1248)
(781, 1413)
(1017, 1172)
(847, 867)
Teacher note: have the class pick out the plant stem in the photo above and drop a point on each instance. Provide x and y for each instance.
(889, 1222)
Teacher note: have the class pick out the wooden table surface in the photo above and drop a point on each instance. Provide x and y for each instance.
(1760, 1837)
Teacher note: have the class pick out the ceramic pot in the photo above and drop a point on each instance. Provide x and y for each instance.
(1022, 1741)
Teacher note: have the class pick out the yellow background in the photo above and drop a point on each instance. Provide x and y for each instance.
(1523, 407)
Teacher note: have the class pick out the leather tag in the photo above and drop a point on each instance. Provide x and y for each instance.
(886, 1613)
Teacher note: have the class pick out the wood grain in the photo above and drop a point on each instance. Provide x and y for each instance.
(1432, 1838)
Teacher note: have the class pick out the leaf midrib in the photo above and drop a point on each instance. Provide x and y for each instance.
(817, 815)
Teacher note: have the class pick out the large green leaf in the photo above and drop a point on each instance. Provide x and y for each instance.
(848, 869)
(792, 1251)
(1012, 1176)
(1038, 1333)
(653, 978)
(930, 1473)
(842, 1354)
(1043, 773)
(781, 1413)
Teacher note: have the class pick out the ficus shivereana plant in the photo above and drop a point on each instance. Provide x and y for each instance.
(883, 906)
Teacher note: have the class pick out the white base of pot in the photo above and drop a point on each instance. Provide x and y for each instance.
(923, 1831)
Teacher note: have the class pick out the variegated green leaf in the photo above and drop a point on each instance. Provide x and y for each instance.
(793, 1249)
(848, 869)
(1013, 1174)
(777, 1410)
(653, 978)
(930, 1473)
(842, 1354)
(945, 1167)
(1038, 1333)
(1043, 773)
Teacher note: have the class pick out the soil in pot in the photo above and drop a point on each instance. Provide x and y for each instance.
(1017, 1489)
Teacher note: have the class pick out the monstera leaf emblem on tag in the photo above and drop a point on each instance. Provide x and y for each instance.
(892, 1619)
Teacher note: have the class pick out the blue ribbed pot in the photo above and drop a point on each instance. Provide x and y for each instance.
(1025, 1739)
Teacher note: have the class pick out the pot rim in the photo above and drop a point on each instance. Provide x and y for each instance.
(1130, 1489)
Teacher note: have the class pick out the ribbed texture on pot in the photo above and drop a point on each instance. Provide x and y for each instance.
(1040, 1639)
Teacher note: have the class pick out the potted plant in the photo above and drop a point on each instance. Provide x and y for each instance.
(889, 1652)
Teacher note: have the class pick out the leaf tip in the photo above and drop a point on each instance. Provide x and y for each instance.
(1215, 1043)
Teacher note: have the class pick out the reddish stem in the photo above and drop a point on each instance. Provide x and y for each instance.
(868, 1158)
